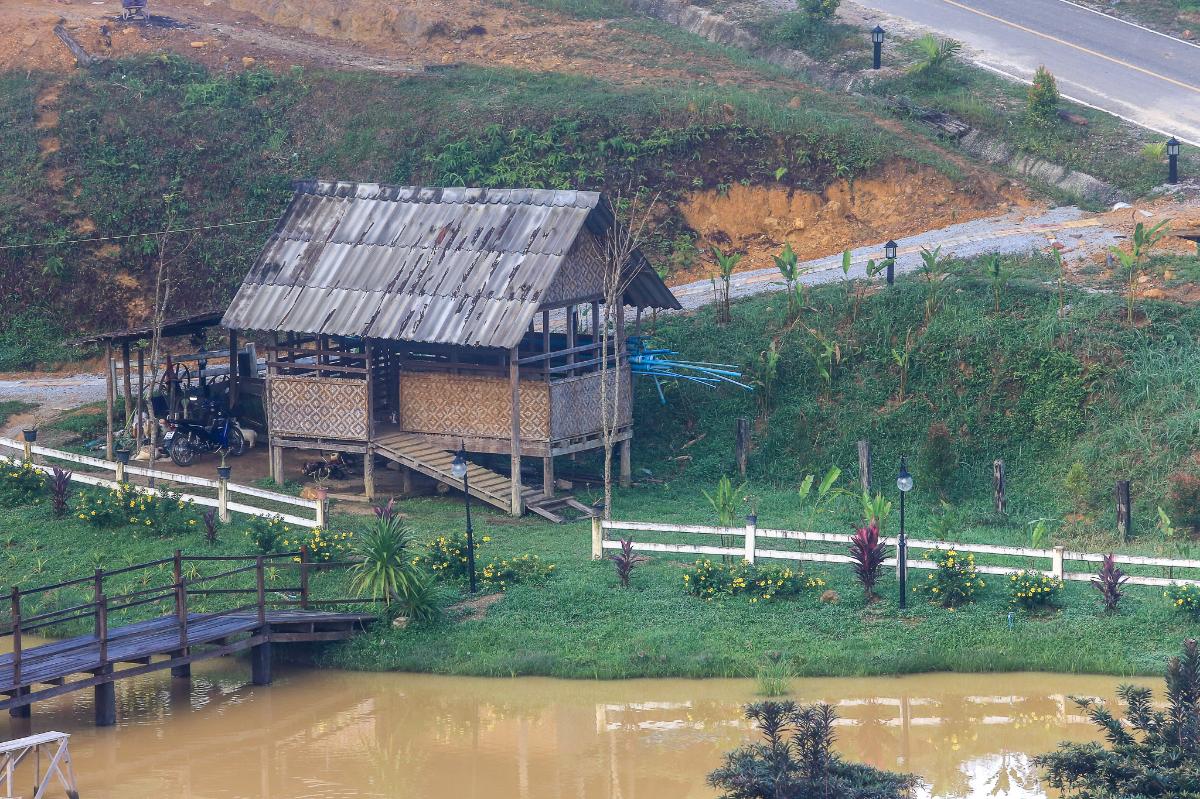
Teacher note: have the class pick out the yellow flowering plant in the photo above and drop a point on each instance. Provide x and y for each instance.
(955, 580)
(446, 555)
(1033, 590)
(268, 533)
(324, 546)
(20, 483)
(761, 583)
(1185, 598)
(520, 569)
(162, 511)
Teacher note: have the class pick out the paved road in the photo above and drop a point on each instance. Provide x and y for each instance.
(1144, 76)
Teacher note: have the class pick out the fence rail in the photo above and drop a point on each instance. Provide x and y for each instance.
(749, 549)
(223, 487)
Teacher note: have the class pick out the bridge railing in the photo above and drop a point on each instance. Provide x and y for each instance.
(174, 598)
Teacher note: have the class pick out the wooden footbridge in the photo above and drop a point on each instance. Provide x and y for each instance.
(164, 625)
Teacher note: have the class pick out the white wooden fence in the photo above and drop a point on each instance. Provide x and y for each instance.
(223, 487)
(750, 548)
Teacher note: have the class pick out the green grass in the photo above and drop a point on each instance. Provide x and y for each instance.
(10, 408)
(1018, 384)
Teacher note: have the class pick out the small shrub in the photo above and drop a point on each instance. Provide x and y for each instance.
(1108, 581)
(625, 561)
(1183, 498)
(60, 486)
(709, 580)
(822, 10)
(324, 546)
(210, 526)
(162, 511)
(777, 581)
(1043, 97)
(774, 675)
(20, 483)
(446, 555)
(938, 462)
(383, 570)
(796, 760)
(955, 580)
(420, 599)
(1078, 486)
(1185, 598)
(267, 534)
(519, 570)
(1033, 590)
(1154, 152)
(868, 554)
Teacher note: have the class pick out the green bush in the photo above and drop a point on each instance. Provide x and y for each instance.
(762, 583)
(1033, 590)
(955, 580)
(162, 511)
(823, 10)
(324, 546)
(446, 555)
(1185, 598)
(1183, 498)
(522, 569)
(938, 461)
(20, 483)
(268, 533)
(1043, 97)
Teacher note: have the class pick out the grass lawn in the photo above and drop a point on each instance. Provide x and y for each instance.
(1043, 392)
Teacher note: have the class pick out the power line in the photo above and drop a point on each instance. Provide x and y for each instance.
(137, 235)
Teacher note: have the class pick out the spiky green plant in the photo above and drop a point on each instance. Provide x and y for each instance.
(383, 570)
(725, 266)
(935, 54)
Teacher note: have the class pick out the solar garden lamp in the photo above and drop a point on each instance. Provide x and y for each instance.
(29, 434)
(877, 40)
(1172, 160)
(889, 256)
(904, 482)
(122, 456)
(458, 468)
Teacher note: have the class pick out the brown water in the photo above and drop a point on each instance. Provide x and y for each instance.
(335, 734)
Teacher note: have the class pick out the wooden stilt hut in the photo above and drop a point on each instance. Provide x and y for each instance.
(410, 322)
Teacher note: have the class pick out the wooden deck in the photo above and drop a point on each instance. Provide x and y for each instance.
(288, 614)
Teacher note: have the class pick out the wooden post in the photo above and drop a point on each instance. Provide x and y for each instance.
(222, 499)
(548, 476)
(110, 399)
(128, 391)
(1124, 511)
(105, 693)
(626, 479)
(998, 484)
(1056, 562)
(742, 445)
(97, 592)
(184, 670)
(322, 507)
(597, 537)
(864, 466)
(304, 577)
(261, 584)
(141, 399)
(751, 535)
(368, 476)
(514, 382)
(276, 463)
(233, 371)
(24, 711)
(119, 472)
(260, 664)
(618, 364)
(572, 337)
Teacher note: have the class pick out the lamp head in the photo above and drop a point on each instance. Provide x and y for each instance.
(1172, 146)
(889, 250)
(904, 480)
(877, 35)
(458, 467)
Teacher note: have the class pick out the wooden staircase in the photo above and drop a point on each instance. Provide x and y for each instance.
(416, 453)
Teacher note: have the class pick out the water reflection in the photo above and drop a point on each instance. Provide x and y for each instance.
(333, 734)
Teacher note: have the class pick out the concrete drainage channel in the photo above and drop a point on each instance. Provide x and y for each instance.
(719, 29)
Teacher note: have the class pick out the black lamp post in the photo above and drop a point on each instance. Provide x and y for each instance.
(889, 256)
(1172, 160)
(877, 40)
(458, 468)
(904, 482)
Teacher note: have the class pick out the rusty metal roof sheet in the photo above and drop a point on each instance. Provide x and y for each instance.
(462, 266)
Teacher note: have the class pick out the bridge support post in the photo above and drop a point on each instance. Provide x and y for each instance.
(24, 711)
(260, 664)
(106, 704)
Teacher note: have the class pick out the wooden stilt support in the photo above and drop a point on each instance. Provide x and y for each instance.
(110, 400)
(369, 473)
(626, 464)
(233, 371)
(277, 464)
(126, 382)
(548, 477)
(514, 381)
(106, 704)
(260, 664)
(24, 711)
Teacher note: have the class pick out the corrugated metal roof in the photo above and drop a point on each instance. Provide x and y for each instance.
(448, 265)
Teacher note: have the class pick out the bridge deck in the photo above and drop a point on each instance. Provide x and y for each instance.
(45, 670)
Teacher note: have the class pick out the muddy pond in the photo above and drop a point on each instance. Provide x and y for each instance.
(327, 734)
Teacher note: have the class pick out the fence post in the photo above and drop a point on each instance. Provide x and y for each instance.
(1056, 562)
(864, 466)
(322, 500)
(97, 592)
(742, 444)
(102, 619)
(16, 623)
(751, 535)
(998, 486)
(222, 498)
(260, 581)
(1124, 511)
(183, 670)
(105, 693)
(304, 577)
(597, 538)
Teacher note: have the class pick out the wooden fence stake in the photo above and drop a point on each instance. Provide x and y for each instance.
(304, 577)
(751, 535)
(864, 466)
(1124, 511)
(998, 481)
(1056, 562)
(322, 503)
(597, 538)
(223, 501)
(742, 445)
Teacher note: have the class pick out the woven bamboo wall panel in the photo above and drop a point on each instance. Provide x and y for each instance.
(575, 404)
(325, 407)
(581, 277)
(471, 405)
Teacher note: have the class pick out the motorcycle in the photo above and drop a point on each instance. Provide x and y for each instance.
(185, 438)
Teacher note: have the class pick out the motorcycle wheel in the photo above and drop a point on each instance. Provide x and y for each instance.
(236, 442)
(183, 451)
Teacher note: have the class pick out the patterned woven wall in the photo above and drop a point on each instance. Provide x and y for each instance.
(324, 407)
(581, 277)
(575, 404)
(468, 405)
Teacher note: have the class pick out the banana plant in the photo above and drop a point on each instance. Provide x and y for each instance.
(876, 509)
(1133, 262)
(725, 266)
(788, 265)
(827, 354)
(934, 271)
(999, 277)
(827, 490)
(902, 358)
